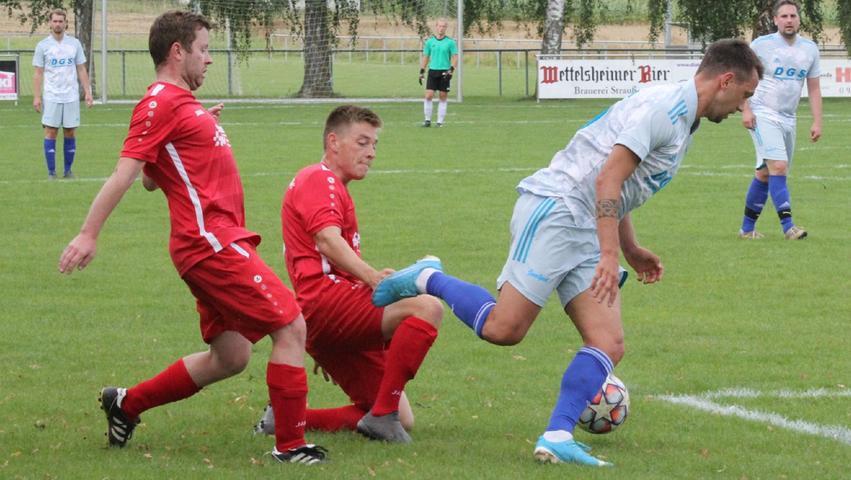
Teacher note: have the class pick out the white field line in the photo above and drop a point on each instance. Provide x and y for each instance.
(702, 402)
(696, 171)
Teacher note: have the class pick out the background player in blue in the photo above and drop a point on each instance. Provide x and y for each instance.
(440, 54)
(569, 222)
(770, 116)
(59, 61)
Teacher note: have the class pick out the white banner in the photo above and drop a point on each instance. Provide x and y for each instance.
(574, 78)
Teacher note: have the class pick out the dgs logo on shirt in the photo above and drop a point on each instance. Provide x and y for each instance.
(790, 72)
(61, 61)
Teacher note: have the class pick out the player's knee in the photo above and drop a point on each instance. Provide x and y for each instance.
(505, 334)
(234, 361)
(429, 309)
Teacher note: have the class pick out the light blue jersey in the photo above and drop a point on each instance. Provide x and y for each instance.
(786, 68)
(59, 61)
(655, 123)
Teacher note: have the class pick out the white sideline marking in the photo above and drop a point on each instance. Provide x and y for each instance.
(686, 170)
(702, 402)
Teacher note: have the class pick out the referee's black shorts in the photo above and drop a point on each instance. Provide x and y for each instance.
(437, 80)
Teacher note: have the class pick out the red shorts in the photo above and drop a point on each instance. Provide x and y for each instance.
(344, 337)
(237, 291)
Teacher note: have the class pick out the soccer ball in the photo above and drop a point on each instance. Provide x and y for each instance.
(609, 408)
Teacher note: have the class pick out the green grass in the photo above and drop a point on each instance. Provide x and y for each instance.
(768, 315)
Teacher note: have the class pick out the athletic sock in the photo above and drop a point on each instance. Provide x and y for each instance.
(441, 111)
(288, 395)
(580, 383)
(427, 107)
(334, 419)
(172, 384)
(470, 303)
(408, 348)
(782, 201)
(754, 203)
(50, 155)
(69, 147)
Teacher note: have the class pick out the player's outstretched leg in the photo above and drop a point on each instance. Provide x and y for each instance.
(120, 426)
(568, 451)
(402, 284)
(384, 427)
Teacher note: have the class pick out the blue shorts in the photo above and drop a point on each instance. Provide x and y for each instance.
(548, 251)
(64, 115)
(773, 140)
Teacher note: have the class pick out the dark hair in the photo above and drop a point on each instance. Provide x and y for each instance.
(344, 116)
(780, 3)
(731, 55)
(173, 26)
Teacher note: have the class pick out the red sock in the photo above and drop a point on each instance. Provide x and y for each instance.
(408, 348)
(170, 385)
(334, 419)
(288, 394)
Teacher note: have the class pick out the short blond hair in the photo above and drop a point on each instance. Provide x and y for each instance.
(58, 11)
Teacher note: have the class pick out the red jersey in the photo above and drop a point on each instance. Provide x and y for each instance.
(315, 199)
(189, 156)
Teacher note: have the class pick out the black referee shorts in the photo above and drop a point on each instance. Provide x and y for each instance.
(437, 80)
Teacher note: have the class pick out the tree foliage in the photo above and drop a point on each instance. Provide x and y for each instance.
(711, 20)
(843, 15)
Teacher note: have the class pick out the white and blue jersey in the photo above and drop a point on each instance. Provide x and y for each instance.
(786, 69)
(59, 61)
(655, 123)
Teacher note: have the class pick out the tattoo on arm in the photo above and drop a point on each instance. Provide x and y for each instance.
(608, 207)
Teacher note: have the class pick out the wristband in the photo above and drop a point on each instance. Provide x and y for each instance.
(451, 69)
(422, 71)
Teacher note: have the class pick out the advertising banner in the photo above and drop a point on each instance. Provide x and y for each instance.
(8, 80)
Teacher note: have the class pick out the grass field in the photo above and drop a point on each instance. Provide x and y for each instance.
(737, 362)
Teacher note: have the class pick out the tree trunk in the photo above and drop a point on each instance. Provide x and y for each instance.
(763, 24)
(317, 51)
(553, 27)
(84, 13)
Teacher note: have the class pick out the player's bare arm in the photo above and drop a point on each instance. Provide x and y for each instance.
(748, 118)
(814, 93)
(81, 250)
(331, 244)
(83, 75)
(647, 265)
(621, 163)
(38, 77)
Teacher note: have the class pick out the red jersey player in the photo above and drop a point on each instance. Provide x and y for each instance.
(346, 334)
(185, 152)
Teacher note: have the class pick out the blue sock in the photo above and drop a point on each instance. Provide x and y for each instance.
(754, 203)
(69, 149)
(581, 381)
(50, 155)
(470, 303)
(782, 201)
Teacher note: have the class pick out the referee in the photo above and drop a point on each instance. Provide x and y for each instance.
(440, 54)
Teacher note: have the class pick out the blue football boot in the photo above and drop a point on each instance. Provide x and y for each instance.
(570, 451)
(402, 284)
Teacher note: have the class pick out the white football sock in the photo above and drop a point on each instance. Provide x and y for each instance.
(558, 436)
(441, 111)
(427, 109)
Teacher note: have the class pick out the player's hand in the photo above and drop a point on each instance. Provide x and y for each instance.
(815, 132)
(749, 120)
(79, 253)
(604, 285)
(448, 73)
(216, 110)
(422, 75)
(37, 104)
(318, 369)
(89, 100)
(647, 265)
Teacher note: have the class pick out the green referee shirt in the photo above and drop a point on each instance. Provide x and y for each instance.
(439, 52)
